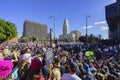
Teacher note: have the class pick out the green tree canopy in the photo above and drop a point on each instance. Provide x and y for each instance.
(7, 30)
(24, 39)
(89, 39)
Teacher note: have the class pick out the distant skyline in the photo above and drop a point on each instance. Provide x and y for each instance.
(17, 11)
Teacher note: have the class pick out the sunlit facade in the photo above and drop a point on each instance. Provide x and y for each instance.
(67, 36)
(33, 29)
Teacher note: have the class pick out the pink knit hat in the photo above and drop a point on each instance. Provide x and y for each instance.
(5, 68)
(36, 64)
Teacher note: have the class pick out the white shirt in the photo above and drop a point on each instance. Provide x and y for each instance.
(68, 76)
(26, 55)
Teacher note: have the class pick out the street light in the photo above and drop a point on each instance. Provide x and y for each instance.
(53, 24)
(50, 37)
(87, 16)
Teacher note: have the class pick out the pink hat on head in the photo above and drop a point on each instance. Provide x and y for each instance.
(5, 68)
(36, 64)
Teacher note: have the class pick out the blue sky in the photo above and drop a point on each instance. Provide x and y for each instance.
(17, 11)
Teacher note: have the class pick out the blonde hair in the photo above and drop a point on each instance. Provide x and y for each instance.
(1, 56)
(80, 66)
(6, 51)
(56, 73)
(101, 76)
(17, 53)
(22, 62)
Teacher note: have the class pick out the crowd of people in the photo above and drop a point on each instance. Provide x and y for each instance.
(27, 61)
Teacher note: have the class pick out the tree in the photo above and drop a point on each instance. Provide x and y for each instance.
(7, 30)
(34, 39)
(24, 39)
(82, 39)
(90, 39)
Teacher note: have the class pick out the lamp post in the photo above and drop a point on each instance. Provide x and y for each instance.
(53, 24)
(50, 37)
(87, 16)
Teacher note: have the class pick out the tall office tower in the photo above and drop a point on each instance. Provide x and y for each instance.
(113, 20)
(33, 29)
(66, 28)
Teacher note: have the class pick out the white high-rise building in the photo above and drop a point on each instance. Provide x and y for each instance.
(66, 27)
(67, 36)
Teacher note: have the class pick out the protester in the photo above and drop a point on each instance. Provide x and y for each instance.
(28, 62)
(45, 70)
(56, 73)
(72, 75)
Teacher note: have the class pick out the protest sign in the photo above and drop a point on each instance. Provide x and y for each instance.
(49, 56)
(89, 53)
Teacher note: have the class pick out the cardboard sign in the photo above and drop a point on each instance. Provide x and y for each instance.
(89, 53)
(49, 56)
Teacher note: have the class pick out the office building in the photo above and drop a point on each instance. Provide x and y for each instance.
(33, 29)
(77, 34)
(113, 20)
(67, 36)
(66, 27)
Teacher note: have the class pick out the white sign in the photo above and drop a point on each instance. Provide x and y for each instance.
(49, 56)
